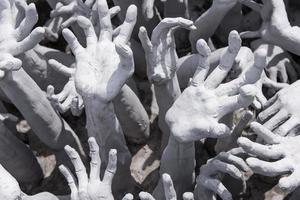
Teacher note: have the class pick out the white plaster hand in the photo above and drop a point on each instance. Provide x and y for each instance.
(281, 112)
(75, 8)
(208, 184)
(68, 98)
(18, 36)
(197, 111)
(90, 188)
(103, 67)
(279, 156)
(161, 56)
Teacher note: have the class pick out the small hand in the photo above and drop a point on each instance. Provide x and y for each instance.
(196, 113)
(76, 8)
(285, 152)
(161, 56)
(208, 185)
(68, 98)
(90, 188)
(281, 112)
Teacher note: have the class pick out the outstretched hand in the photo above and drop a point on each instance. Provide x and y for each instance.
(196, 113)
(90, 188)
(18, 36)
(285, 150)
(103, 67)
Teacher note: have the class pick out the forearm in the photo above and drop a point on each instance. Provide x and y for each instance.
(31, 101)
(132, 115)
(178, 161)
(207, 24)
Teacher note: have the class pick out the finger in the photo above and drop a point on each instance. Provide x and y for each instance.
(265, 133)
(291, 182)
(216, 186)
(260, 97)
(169, 190)
(242, 100)
(276, 120)
(188, 196)
(10, 63)
(162, 29)
(79, 167)
(89, 3)
(111, 167)
(250, 76)
(68, 176)
(273, 74)
(68, 22)
(26, 25)
(128, 197)
(269, 111)
(29, 42)
(240, 126)
(62, 10)
(226, 61)
(250, 34)
(146, 43)
(291, 71)
(95, 162)
(203, 64)
(126, 57)
(252, 4)
(89, 31)
(234, 160)
(57, 66)
(274, 85)
(148, 9)
(268, 168)
(75, 46)
(220, 166)
(127, 26)
(114, 11)
(104, 20)
(283, 77)
(259, 149)
(76, 107)
(287, 126)
(146, 196)
(218, 130)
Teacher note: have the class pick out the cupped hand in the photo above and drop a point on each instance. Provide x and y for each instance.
(160, 51)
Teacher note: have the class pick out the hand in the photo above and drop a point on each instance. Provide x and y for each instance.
(76, 8)
(68, 98)
(274, 18)
(17, 39)
(285, 150)
(281, 112)
(91, 188)
(103, 67)
(196, 113)
(280, 64)
(170, 193)
(161, 56)
(208, 185)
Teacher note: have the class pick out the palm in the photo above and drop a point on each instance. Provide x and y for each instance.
(197, 111)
